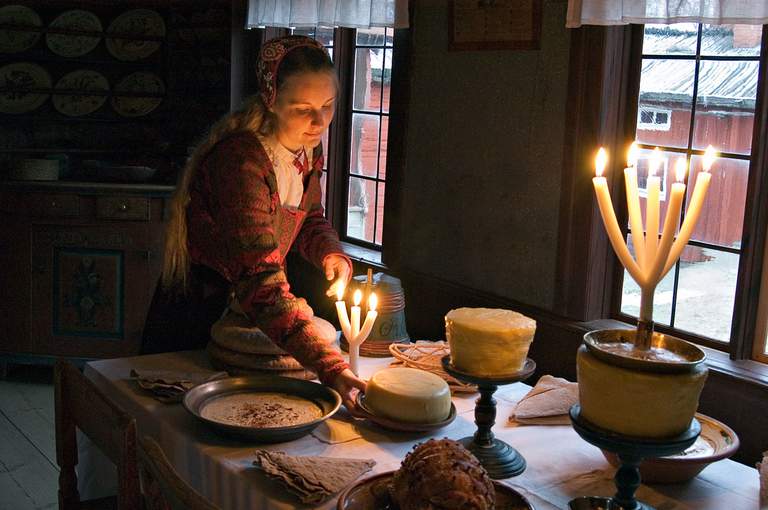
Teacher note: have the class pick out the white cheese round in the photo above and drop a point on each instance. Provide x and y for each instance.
(408, 395)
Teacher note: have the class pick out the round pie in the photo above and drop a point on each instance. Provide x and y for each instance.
(134, 105)
(14, 41)
(136, 24)
(76, 105)
(71, 45)
(23, 78)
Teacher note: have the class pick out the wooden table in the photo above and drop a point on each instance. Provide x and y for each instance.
(561, 465)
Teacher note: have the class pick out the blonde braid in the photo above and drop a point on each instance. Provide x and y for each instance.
(253, 117)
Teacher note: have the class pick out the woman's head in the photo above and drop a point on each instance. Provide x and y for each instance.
(298, 88)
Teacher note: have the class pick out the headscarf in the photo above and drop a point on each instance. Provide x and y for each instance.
(271, 55)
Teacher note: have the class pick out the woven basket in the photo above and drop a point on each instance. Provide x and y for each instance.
(426, 355)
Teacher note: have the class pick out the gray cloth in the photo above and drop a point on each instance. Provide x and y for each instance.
(170, 385)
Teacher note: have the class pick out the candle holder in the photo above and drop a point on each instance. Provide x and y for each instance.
(497, 457)
(631, 451)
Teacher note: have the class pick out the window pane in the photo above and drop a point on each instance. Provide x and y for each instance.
(324, 188)
(365, 144)
(666, 99)
(386, 82)
(722, 216)
(725, 106)
(360, 207)
(379, 212)
(308, 31)
(731, 40)
(370, 36)
(706, 292)
(367, 93)
(324, 142)
(677, 39)
(325, 36)
(662, 300)
(390, 37)
(383, 148)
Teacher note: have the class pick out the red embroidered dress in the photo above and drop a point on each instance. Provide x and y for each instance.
(237, 227)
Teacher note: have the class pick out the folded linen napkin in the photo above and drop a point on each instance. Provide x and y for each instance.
(312, 479)
(547, 403)
(170, 385)
(762, 468)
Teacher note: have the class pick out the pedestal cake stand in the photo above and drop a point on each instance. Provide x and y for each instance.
(631, 451)
(496, 456)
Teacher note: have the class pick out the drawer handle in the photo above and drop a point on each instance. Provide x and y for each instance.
(123, 207)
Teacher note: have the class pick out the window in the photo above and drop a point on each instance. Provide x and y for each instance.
(700, 83)
(358, 162)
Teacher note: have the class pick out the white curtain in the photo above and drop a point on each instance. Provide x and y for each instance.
(328, 13)
(621, 12)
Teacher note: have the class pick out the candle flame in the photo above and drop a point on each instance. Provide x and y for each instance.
(373, 301)
(709, 158)
(600, 161)
(339, 290)
(681, 167)
(632, 155)
(655, 162)
(358, 296)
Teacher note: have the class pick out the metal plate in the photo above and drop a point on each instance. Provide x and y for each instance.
(682, 356)
(402, 426)
(326, 398)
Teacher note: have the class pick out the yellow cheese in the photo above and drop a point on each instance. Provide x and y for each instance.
(635, 403)
(408, 395)
(488, 341)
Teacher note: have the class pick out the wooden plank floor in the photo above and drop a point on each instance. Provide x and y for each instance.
(28, 471)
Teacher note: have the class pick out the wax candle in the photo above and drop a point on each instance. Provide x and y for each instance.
(341, 311)
(355, 314)
(633, 205)
(370, 318)
(609, 218)
(694, 209)
(653, 190)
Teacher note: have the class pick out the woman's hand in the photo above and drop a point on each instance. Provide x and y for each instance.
(337, 268)
(349, 385)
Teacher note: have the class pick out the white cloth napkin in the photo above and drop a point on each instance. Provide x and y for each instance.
(762, 468)
(547, 403)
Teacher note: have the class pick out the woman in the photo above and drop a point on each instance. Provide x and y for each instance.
(249, 192)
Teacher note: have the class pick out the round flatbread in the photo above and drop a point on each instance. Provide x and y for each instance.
(23, 78)
(14, 41)
(71, 45)
(233, 371)
(136, 23)
(76, 105)
(254, 361)
(137, 106)
(236, 333)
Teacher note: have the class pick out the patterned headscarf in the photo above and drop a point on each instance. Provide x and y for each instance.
(271, 55)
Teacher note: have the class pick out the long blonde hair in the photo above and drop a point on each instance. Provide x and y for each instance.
(252, 117)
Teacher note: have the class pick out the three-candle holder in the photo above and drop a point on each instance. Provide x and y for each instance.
(498, 458)
(631, 450)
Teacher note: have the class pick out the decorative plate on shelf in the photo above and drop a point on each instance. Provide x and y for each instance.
(136, 23)
(14, 41)
(18, 82)
(135, 83)
(71, 45)
(76, 105)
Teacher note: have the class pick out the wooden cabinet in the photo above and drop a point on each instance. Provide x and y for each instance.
(79, 265)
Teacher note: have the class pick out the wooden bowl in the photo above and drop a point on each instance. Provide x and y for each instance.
(716, 442)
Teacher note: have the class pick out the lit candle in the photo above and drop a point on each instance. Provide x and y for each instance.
(653, 188)
(341, 311)
(370, 318)
(609, 218)
(355, 314)
(694, 209)
(633, 205)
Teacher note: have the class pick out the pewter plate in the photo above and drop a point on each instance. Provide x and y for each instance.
(402, 426)
(327, 399)
(606, 345)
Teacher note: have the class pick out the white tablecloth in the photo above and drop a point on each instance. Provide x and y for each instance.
(561, 466)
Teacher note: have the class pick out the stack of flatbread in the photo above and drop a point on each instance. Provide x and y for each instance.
(241, 348)
(312, 479)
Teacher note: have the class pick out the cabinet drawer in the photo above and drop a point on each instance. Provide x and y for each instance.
(122, 208)
(54, 205)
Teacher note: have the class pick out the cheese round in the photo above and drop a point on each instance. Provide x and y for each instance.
(636, 403)
(488, 341)
(408, 395)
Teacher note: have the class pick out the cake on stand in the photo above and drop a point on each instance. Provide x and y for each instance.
(498, 458)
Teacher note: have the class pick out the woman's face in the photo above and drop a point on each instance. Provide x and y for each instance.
(304, 108)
